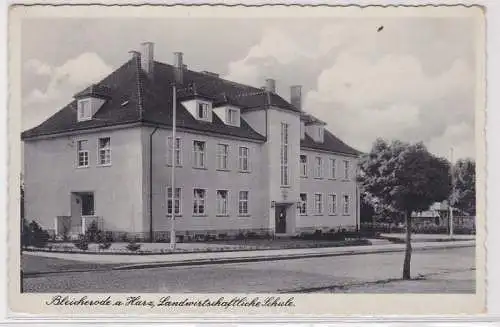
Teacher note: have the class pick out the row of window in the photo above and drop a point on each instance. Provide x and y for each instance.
(319, 204)
(200, 154)
(200, 202)
(103, 152)
(319, 171)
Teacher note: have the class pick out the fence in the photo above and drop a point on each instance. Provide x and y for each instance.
(464, 225)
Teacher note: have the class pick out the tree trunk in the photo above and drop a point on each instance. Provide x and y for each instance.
(406, 265)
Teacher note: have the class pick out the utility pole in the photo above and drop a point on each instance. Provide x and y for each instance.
(174, 110)
(452, 191)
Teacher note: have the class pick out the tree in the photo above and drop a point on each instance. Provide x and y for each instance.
(407, 178)
(464, 193)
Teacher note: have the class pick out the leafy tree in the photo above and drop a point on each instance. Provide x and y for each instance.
(407, 178)
(464, 195)
(367, 209)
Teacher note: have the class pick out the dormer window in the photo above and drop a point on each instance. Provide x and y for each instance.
(320, 133)
(202, 111)
(84, 110)
(232, 116)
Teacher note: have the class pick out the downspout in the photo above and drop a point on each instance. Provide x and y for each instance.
(151, 184)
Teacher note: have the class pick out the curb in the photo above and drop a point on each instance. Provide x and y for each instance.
(202, 262)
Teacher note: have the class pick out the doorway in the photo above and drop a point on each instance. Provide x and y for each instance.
(280, 216)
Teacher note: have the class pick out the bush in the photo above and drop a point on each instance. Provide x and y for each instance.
(93, 233)
(105, 245)
(133, 246)
(34, 235)
(82, 243)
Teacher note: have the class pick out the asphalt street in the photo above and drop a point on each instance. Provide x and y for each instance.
(437, 271)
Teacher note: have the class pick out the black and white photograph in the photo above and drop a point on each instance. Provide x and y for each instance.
(252, 153)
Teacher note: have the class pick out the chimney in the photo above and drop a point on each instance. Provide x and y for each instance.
(179, 67)
(296, 96)
(147, 57)
(270, 85)
(135, 54)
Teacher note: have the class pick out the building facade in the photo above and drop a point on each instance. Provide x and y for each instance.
(245, 159)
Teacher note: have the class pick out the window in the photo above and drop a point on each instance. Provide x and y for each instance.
(318, 203)
(346, 204)
(284, 154)
(199, 154)
(199, 201)
(303, 204)
(320, 133)
(222, 153)
(202, 110)
(332, 204)
(222, 202)
(346, 169)
(232, 116)
(87, 204)
(83, 153)
(104, 151)
(303, 165)
(243, 203)
(318, 168)
(333, 168)
(84, 112)
(243, 159)
(177, 200)
(178, 153)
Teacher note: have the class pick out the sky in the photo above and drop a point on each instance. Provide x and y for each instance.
(413, 80)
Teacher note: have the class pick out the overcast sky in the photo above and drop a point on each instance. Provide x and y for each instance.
(413, 80)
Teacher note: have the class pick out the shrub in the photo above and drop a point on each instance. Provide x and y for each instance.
(133, 246)
(105, 245)
(82, 243)
(93, 233)
(34, 235)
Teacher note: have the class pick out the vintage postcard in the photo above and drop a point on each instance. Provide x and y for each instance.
(291, 161)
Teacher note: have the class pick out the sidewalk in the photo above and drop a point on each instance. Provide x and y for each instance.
(169, 260)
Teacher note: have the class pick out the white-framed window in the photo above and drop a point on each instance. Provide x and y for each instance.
(82, 153)
(178, 151)
(84, 110)
(199, 199)
(199, 149)
(346, 204)
(318, 203)
(222, 201)
(346, 169)
(222, 156)
(303, 165)
(333, 168)
(284, 155)
(332, 204)
(104, 151)
(320, 133)
(303, 204)
(177, 200)
(243, 162)
(232, 116)
(318, 167)
(243, 203)
(202, 110)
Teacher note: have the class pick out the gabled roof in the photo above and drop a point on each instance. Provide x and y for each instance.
(331, 143)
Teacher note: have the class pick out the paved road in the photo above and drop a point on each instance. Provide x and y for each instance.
(445, 270)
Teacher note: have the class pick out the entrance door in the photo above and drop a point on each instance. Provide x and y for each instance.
(280, 215)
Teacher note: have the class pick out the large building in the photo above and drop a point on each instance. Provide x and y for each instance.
(246, 159)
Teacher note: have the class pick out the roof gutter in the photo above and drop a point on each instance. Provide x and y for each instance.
(151, 232)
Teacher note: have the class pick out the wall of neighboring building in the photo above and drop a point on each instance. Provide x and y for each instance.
(211, 179)
(51, 176)
(310, 185)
